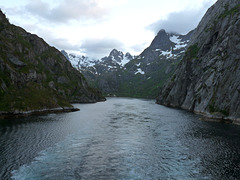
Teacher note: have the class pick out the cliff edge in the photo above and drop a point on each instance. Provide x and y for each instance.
(207, 80)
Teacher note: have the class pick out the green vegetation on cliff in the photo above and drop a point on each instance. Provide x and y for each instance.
(146, 85)
(35, 76)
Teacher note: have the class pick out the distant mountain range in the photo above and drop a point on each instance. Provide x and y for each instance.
(136, 76)
(116, 59)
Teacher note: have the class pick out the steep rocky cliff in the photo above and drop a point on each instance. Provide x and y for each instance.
(35, 76)
(207, 80)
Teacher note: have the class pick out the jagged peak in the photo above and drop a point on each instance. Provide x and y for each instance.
(162, 34)
(3, 17)
(115, 52)
(127, 54)
(116, 55)
(161, 41)
(162, 31)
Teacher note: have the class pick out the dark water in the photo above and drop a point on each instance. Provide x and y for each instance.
(119, 139)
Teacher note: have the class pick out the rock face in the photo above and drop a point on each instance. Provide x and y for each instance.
(208, 78)
(35, 76)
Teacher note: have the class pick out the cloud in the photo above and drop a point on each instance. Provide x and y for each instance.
(63, 44)
(99, 48)
(181, 22)
(66, 11)
(49, 36)
(139, 48)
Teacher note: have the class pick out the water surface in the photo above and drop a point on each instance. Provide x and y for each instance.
(119, 139)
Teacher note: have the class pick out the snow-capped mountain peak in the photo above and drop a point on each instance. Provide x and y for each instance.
(79, 60)
(120, 58)
(166, 46)
(115, 60)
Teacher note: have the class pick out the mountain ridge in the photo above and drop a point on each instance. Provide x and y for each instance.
(137, 76)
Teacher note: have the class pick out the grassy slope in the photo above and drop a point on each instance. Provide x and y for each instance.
(17, 92)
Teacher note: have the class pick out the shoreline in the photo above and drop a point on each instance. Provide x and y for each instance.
(19, 114)
(16, 114)
(219, 118)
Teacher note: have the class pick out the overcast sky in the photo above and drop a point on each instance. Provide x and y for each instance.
(95, 27)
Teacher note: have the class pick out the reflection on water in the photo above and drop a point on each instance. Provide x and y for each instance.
(119, 139)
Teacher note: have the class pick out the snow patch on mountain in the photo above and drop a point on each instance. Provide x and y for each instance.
(175, 39)
(79, 61)
(138, 64)
(178, 41)
(124, 61)
(115, 61)
(168, 54)
(139, 71)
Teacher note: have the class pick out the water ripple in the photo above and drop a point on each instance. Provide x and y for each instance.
(119, 139)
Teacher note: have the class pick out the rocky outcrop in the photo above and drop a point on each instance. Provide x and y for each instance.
(207, 80)
(35, 76)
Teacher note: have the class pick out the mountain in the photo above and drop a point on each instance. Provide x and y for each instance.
(135, 76)
(102, 73)
(143, 76)
(207, 80)
(166, 45)
(35, 76)
(115, 58)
